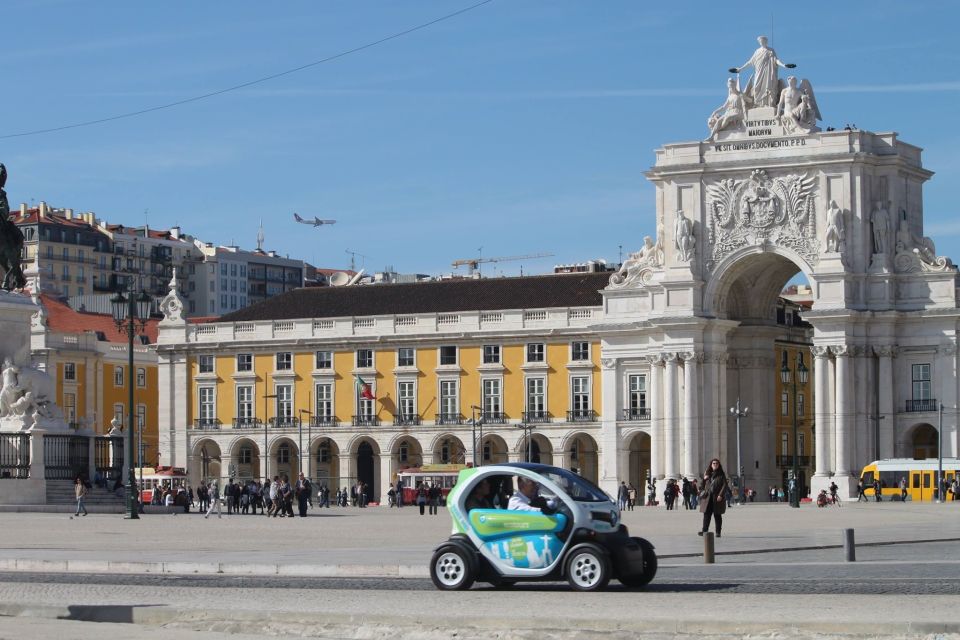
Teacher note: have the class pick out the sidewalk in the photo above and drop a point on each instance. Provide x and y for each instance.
(398, 543)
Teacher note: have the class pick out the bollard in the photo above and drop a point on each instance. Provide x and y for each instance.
(708, 547)
(849, 547)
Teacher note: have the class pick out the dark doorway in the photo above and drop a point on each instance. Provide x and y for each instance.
(365, 468)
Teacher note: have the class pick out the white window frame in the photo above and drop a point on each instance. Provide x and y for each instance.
(585, 394)
(531, 350)
(491, 403)
(244, 362)
(585, 355)
(802, 444)
(70, 407)
(921, 376)
(141, 417)
(784, 444)
(207, 408)
(494, 355)
(206, 364)
(118, 375)
(141, 377)
(283, 361)
(119, 413)
(637, 397)
(542, 394)
(284, 400)
(324, 400)
(444, 403)
(323, 360)
(69, 372)
(245, 405)
(413, 357)
(801, 404)
(407, 404)
(784, 403)
(456, 355)
(362, 365)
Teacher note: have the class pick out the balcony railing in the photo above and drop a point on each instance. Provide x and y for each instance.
(366, 421)
(324, 421)
(207, 424)
(406, 420)
(582, 415)
(643, 413)
(247, 423)
(284, 422)
(802, 461)
(929, 404)
(493, 417)
(536, 416)
(449, 418)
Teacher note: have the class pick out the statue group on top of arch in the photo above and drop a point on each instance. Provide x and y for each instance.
(794, 104)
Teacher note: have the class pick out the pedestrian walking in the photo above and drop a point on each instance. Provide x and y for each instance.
(421, 496)
(712, 499)
(214, 494)
(80, 490)
(622, 496)
(631, 496)
(303, 494)
(860, 494)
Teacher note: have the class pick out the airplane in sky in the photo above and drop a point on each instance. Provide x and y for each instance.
(316, 222)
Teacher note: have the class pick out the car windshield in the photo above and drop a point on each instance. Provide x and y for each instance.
(576, 487)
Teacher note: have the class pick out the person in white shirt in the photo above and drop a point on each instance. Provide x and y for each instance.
(526, 497)
(214, 496)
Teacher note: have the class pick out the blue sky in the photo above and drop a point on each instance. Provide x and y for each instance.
(523, 126)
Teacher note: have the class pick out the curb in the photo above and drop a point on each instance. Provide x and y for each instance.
(413, 626)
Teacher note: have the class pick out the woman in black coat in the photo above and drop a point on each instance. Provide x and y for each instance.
(712, 497)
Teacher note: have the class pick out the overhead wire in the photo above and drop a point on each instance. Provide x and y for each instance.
(250, 83)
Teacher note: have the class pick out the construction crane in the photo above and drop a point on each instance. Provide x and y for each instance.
(473, 264)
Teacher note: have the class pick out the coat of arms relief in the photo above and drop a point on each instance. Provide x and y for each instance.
(762, 209)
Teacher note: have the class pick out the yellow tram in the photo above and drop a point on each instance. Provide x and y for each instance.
(921, 476)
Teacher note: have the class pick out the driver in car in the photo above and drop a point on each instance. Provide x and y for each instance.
(527, 498)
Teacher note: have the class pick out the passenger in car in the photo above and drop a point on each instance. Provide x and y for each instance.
(479, 498)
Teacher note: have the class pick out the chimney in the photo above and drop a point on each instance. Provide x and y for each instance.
(23, 208)
(175, 233)
(68, 214)
(43, 209)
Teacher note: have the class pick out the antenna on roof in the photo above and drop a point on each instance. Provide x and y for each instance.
(260, 236)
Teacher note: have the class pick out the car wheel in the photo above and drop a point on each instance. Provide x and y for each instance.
(649, 567)
(588, 568)
(451, 569)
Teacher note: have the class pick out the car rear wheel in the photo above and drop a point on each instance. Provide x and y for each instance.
(451, 569)
(649, 566)
(588, 568)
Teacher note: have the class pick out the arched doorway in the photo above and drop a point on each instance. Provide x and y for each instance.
(405, 453)
(638, 464)
(764, 290)
(209, 461)
(535, 448)
(326, 464)
(449, 449)
(285, 458)
(493, 450)
(244, 460)
(581, 456)
(924, 442)
(366, 468)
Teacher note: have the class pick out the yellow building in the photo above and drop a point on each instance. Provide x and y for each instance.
(88, 358)
(792, 352)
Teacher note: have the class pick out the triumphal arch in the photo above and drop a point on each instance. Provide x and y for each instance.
(769, 193)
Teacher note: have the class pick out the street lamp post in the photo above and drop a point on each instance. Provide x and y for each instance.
(474, 424)
(739, 413)
(940, 485)
(528, 438)
(300, 439)
(131, 313)
(787, 377)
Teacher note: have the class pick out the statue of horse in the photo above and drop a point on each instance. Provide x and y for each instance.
(11, 242)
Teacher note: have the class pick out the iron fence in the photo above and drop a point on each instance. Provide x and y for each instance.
(110, 467)
(66, 457)
(14, 455)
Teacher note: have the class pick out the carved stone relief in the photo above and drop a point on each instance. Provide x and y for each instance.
(760, 209)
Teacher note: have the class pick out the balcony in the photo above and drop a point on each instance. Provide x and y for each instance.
(207, 424)
(582, 415)
(929, 404)
(406, 420)
(247, 423)
(284, 422)
(493, 417)
(366, 421)
(324, 421)
(536, 416)
(785, 462)
(449, 418)
(643, 413)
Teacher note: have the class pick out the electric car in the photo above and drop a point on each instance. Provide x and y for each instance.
(576, 536)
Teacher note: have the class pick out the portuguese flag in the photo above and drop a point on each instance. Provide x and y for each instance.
(364, 390)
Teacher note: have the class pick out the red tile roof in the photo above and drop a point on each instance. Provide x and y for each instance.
(63, 319)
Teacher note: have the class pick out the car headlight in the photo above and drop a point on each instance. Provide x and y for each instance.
(614, 516)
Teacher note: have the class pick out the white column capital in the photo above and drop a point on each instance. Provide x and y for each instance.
(655, 360)
(820, 352)
(669, 357)
(885, 351)
(691, 356)
(840, 350)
